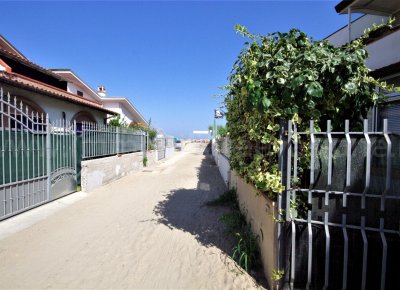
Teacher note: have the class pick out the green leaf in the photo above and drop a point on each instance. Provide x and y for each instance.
(351, 87)
(266, 102)
(281, 81)
(315, 89)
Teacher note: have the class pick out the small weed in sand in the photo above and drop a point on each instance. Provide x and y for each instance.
(246, 252)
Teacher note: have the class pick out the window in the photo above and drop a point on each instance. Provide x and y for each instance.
(79, 93)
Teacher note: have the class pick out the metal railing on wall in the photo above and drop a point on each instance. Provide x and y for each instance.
(103, 140)
(341, 211)
(339, 215)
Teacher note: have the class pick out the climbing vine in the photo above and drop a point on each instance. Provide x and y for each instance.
(289, 76)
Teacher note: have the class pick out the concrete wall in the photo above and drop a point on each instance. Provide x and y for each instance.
(169, 151)
(384, 51)
(98, 172)
(358, 26)
(151, 157)
(73, 88)
(222, 162)
(261, 213)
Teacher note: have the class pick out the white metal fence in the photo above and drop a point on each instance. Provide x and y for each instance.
(38, 157)
(164, 145)
(103, 140)
(341, 215)
(339, 223)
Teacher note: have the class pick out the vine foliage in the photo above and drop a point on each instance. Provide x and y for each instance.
(289, 76)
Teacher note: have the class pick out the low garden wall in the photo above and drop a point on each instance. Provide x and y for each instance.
(222, 163)
(169, 151)
(261, 213)
(97, 172)
(151, 157)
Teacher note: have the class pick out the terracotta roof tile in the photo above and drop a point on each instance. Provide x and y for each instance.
(29, 63)
(34, 84)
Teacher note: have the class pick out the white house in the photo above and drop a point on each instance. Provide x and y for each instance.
(125, 109)
(119, 105)
(43, 91)
(383, 48)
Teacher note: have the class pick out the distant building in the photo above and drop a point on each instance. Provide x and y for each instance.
(383, 47)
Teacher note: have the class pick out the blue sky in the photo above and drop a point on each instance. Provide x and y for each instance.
(168, 57)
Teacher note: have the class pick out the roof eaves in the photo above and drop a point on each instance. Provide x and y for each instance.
(12, 47)
(30, 64)
(130, 105)
(343, 6)
(79, 79)
(51, 91)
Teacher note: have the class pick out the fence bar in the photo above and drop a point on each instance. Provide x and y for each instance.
(48, 155)
(310, 243)
(22, 153)
(345, 252)
(384, 254)
(43, 154)
(288, 169)
(327, 249)
(9, 152)
(3, 151)
(312, 165)
(293, 210)
(16, 154)
(368, 164)
(309, 227)
(348, 161)
(28, 153)
(74, 145)
(383, 201)
(365, 254)
(367, 185)
(326, 216)
(279, 252)
(330, 153)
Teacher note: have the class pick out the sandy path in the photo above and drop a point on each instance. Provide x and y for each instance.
(147, 230)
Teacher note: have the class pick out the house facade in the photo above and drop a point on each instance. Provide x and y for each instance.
(128, 113)
(383, 48)
(43, 91)
(117, 105)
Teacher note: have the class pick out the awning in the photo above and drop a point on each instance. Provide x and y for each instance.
(374, 7)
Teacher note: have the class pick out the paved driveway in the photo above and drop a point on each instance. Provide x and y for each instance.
(146, 230)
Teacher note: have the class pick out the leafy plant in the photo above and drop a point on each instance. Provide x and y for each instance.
(118, 121)
(289, 76)
(145, 159)
(246, 250)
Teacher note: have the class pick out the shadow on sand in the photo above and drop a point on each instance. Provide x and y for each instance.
(185, 209)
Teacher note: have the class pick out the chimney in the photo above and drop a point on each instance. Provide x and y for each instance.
(101, 90)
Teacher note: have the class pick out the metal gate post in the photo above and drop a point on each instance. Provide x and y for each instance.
(117, 143)
(281, 202)
(75, 151)
(48, 155)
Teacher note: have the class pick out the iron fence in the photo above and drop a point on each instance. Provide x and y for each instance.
(38, 160)
(341, 214)
(103, 140)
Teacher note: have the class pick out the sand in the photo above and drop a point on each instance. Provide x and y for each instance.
(148, 230)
